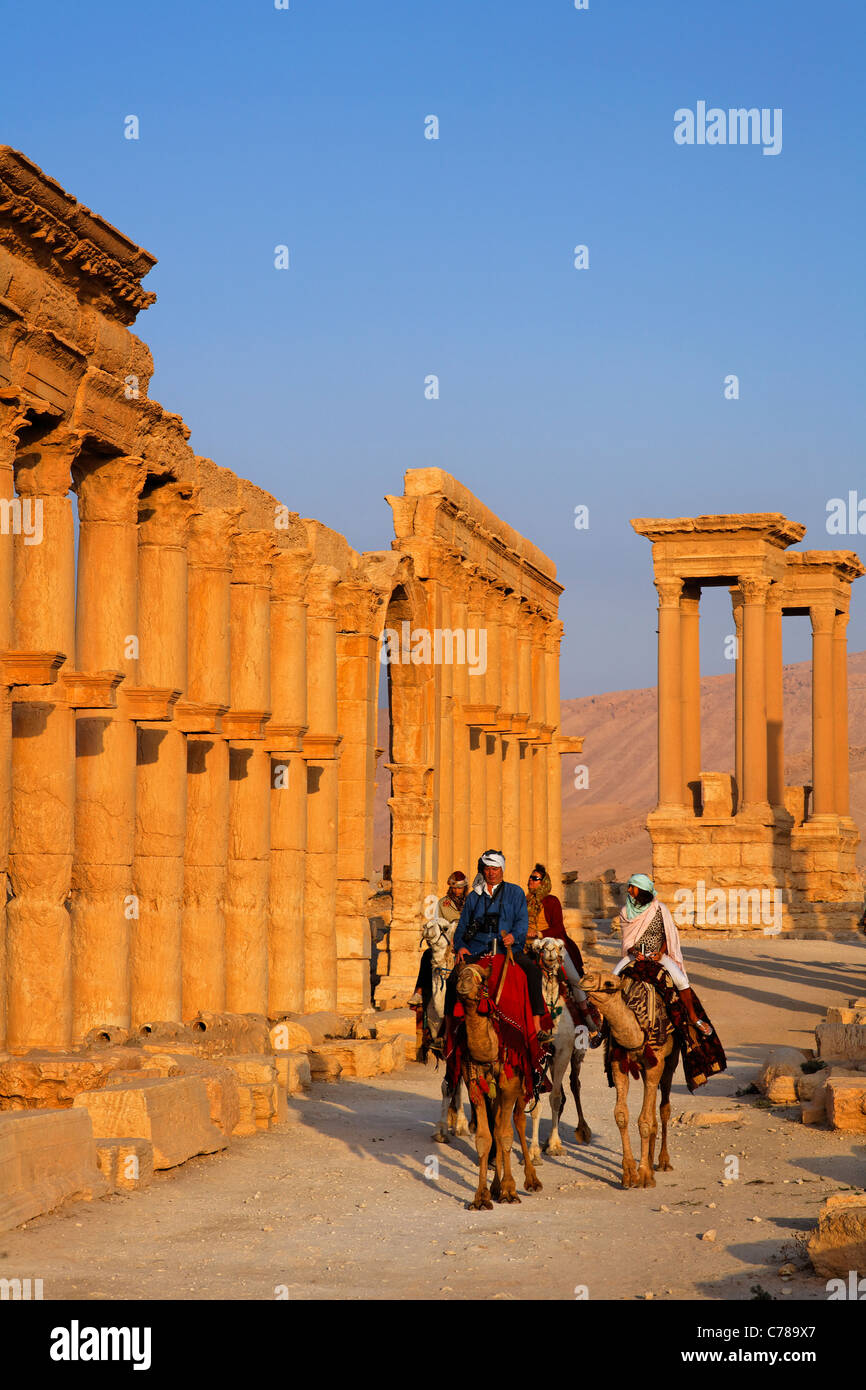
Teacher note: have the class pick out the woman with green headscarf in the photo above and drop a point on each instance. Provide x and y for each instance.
(649, 932)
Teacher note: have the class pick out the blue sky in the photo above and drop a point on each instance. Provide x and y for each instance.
(558, 387)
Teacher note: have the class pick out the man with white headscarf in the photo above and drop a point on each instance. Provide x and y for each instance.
(494, 917)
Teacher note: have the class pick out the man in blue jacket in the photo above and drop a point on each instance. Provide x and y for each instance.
(494, 917)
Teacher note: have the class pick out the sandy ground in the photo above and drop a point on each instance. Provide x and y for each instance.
(338, 1204)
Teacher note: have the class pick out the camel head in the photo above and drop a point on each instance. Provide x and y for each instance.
(470, 979)
(439, 938)
(549, 952)
(601, 983)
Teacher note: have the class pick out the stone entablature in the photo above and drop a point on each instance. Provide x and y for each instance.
(749, 829)
(188, 704)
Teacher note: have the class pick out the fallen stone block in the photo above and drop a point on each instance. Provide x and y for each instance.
(777, 1077)
(357, 1056)
(842, 1040)
(126, 1164)
(846, 1103)
(324, 1065)
(259, 1089)
(174, 1114)
(399, 1023)
(219, 1035)
(839, 1243)
(46, 1157)
(290, 1036)
(51, 1081)
(293, 1072)
(705, 1118)
(322, 1025)
(219, 1080)
(253, 1071)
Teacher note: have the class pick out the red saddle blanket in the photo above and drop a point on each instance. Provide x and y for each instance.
(519, 1049)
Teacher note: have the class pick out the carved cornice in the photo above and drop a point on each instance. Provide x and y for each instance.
(87, 250)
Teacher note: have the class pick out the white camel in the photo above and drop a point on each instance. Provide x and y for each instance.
(569, 1043)
(438, 934)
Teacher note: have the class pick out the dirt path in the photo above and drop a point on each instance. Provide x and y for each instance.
(337, 1203)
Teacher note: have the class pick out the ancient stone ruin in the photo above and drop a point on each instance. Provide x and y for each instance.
(744, 832)
(190, 677)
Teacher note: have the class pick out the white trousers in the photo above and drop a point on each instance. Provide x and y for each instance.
(676, 972)
(573, 978)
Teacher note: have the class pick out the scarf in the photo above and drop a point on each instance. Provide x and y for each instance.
(492, 858)
(534, 905)
(634, 925)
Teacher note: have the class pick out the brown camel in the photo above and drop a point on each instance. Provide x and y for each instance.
(605, 991)
(493, 1117)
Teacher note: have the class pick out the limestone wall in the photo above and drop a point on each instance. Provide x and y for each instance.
(188, 695)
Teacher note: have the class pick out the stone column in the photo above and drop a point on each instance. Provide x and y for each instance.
(510, 741)
(412, 810)
(320, 746)
(102, 906)
(754, 657)
(477, 686)
(39, 935)
(690, 638)
(461, 851)
(737, 612)
(538, 715)
(493, 696)
(289, 782)
(357, 692)
(13, 419)
(775, 705)
(823, 616)
(840, 716)
(554, 762)
(247, 881)
(207, 814)
(445, 761)
(160, 833)
(524, 700)
(670, 696)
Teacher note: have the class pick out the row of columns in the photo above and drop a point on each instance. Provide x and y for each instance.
(759, 741)
(169, 817)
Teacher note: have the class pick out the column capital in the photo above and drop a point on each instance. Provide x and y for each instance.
(165, 510)
(669, 590)
(754, 589)
(823, 618)
(45, 469)
(321, 591)
(210, 536)
(840, 626)
(357, 606)
(252, 557)
(108, 488)
(14, 410)
(290, 574)
(690, 601)
(774, 598)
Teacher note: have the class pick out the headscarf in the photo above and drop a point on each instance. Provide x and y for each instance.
(534, 899)
(490, 859)
(454, 881)
(635, 919)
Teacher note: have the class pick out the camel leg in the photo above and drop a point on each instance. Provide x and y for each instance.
(647, 1123)
(557, 1099)
(440, 1133)
(535, 1147)
(583, 1133)
(530, 1177)
(483, 1140)
(504, 1119)
(664, 1164)
(620, 1114)
(456, 1114)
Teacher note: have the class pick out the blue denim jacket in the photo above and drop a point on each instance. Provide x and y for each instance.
(510, 903)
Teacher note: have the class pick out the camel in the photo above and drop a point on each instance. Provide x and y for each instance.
(605, 991)
(438, 934)
(569, 1045)
(493, 1117)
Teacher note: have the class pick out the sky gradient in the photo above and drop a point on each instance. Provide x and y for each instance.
(408, 257)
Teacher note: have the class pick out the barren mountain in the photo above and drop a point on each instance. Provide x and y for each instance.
(604, 822)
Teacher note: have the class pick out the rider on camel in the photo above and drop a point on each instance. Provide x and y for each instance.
(649, 932)
(495, 917)
(447, 914)
(545, 919)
